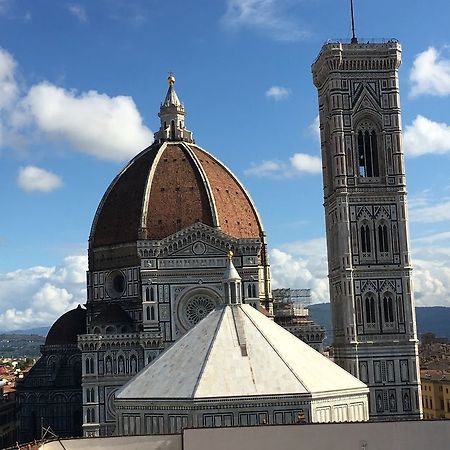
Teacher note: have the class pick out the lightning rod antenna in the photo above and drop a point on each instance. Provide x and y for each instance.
(354, 39)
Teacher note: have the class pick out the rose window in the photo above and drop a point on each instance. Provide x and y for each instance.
(198, 307)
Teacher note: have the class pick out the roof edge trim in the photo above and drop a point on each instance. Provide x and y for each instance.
(273, 348)
(219, 322)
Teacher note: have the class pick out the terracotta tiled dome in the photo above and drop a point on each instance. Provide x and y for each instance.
(168, 187)
(66, 329)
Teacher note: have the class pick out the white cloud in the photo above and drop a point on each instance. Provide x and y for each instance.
(37, 296)
(264, 15)
(302, 264)
(33, 178)
(8, 85)
(78, 11)
(278, 93)
(314, 128)
(304, 163)
(434, 213)
(424, 136)
(299, 163)
(102, 126)
(430, 74)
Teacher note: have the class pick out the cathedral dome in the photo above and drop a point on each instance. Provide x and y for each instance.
(67, 328)
(168, 187)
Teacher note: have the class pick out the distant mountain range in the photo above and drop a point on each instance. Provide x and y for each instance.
(39, 331)
(430, 319)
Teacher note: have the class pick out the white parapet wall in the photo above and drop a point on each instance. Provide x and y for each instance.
(405, 435)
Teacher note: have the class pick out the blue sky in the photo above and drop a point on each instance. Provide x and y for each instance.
(80, 87)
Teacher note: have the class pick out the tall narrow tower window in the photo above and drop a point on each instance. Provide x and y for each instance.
(370, 310)
(383, 238)
(365, 239)
(368, 165)
(388, 307)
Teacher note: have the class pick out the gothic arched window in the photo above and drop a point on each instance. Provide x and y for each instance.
(152, 313)
(383, 238)
(388, 308)
(88, 415)
(366, 246)
(370, 310)
(147, 313)
(368, 163)
(152, 295)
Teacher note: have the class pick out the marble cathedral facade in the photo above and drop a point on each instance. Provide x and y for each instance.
(369, 260)
(157, 253)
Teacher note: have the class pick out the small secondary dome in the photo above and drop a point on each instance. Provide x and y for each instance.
(66, 329)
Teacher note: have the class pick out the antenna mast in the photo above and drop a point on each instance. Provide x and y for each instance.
(354, 39)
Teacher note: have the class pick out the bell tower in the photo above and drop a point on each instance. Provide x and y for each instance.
(369, 263)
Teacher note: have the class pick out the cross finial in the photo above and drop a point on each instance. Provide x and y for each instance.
(171, 79)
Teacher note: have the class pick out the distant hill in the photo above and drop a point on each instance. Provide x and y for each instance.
(39, 331)
(430, 319)
(20, 345)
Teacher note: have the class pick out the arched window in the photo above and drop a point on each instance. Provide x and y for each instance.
(92, 415)
(147, 294)
(368, 165)
(370, 310)
(388, 308)
(152, 294)
(147, 312)
(88, 395)
(152, 313)
(253, 290)
(383, 238)
(366, 246)
(172, 130)
(249, 291)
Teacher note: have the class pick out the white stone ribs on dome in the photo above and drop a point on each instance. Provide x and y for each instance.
(148, 185)
(236, 179)
(212, 203)
(110, 187)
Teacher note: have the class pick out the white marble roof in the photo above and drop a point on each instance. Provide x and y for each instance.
(237, 351)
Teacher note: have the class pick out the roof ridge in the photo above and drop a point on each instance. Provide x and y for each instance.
(202, 370)
(274, 349)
